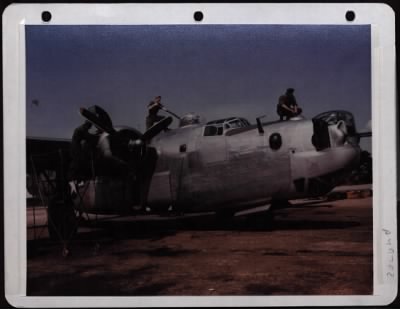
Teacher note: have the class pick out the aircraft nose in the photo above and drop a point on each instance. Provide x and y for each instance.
(338, 164)
(345, 157)
(353, 156)
(334, 129)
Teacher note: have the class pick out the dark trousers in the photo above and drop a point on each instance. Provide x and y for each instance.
(152, 119)
(288, 114)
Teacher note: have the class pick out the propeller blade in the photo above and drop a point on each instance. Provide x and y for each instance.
(99, 118)
(156, 128)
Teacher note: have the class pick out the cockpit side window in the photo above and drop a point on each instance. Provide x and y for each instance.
(235, 124)
(213, 130)
(221, 126)
(245, 122)
(210, 131)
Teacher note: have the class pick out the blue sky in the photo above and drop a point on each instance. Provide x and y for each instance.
(212, 70)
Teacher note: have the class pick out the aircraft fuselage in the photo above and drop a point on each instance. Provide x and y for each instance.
(243, 167)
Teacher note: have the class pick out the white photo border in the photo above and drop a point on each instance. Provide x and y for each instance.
(382, 20)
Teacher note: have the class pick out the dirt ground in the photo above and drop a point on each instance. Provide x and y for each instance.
(313, 248)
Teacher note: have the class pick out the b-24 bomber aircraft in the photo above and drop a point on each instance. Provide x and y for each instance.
(225, 166)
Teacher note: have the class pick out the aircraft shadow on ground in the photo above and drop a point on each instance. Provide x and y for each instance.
(296, 218)
(156, 229)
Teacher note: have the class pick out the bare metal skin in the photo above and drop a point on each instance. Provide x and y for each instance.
(242, 170)
(227, 164)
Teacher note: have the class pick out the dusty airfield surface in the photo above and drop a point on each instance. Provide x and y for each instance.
(313, 248)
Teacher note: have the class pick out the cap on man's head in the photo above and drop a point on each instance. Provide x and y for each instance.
(290, 90)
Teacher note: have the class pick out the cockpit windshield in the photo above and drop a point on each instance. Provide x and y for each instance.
(219, 127)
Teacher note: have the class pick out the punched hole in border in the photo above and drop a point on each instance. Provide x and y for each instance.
(46, 16)
(198, 16)
(350, 16)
